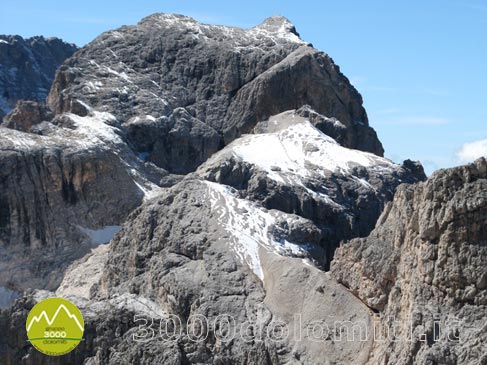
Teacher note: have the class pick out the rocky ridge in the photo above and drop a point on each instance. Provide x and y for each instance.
(217, 82)
(27, 68)
(183, 254)
(291, 165)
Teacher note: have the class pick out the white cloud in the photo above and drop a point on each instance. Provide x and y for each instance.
(472, 150)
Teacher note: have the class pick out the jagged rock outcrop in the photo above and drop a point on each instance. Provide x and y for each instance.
(178, 142)
(63, 187)
(27, 68)
(424, 269)
(200, 248)
(26, 115)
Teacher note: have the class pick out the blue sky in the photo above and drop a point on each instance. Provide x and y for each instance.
(421, 66)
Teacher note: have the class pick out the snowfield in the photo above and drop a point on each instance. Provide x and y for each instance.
(301, 151)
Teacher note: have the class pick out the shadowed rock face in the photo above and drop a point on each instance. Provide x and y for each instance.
(61, 184)
(424, 265)
(48, 196)
(27, 68)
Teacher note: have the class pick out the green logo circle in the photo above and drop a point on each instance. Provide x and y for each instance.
(55, 326)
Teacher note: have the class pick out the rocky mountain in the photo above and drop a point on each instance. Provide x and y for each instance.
(169, 74)
(224, 167)
(141, 106)
(423, 268)
(308, 173)
(27, 68)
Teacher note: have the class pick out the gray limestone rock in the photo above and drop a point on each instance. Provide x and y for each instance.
(225, 166)
(65, 186)
(27, 68)
(424, 266)
(290, 165)
(139, 107)
(227, 79)
(26, 115)
(181, 255)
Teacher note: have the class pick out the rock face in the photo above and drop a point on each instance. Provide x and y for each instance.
(217, 82)
(27, 68)
(201, 249)
(191, 239)
(58, 194)
(27, 114)
(48, 197)
(424, 266)
(193, 252)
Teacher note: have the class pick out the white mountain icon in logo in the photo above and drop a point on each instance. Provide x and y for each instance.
(49, 321)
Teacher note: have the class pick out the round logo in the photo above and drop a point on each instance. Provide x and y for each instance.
(55, 326)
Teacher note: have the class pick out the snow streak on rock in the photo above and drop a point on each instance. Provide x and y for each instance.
(251, 227)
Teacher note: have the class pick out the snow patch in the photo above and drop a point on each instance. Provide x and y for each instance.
(85, 133)
(242, 40)
(95, 129)
(101, 236)
(20, 139)
(163, 101)
(250, 227)
(121, 74)
(4, 41)
(149, 189)
(365, 183)
(124, 76)
(116, 34)
(92, 87)
(302, 151)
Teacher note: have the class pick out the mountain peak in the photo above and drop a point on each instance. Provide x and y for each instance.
(279, 24)
(167, 18)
